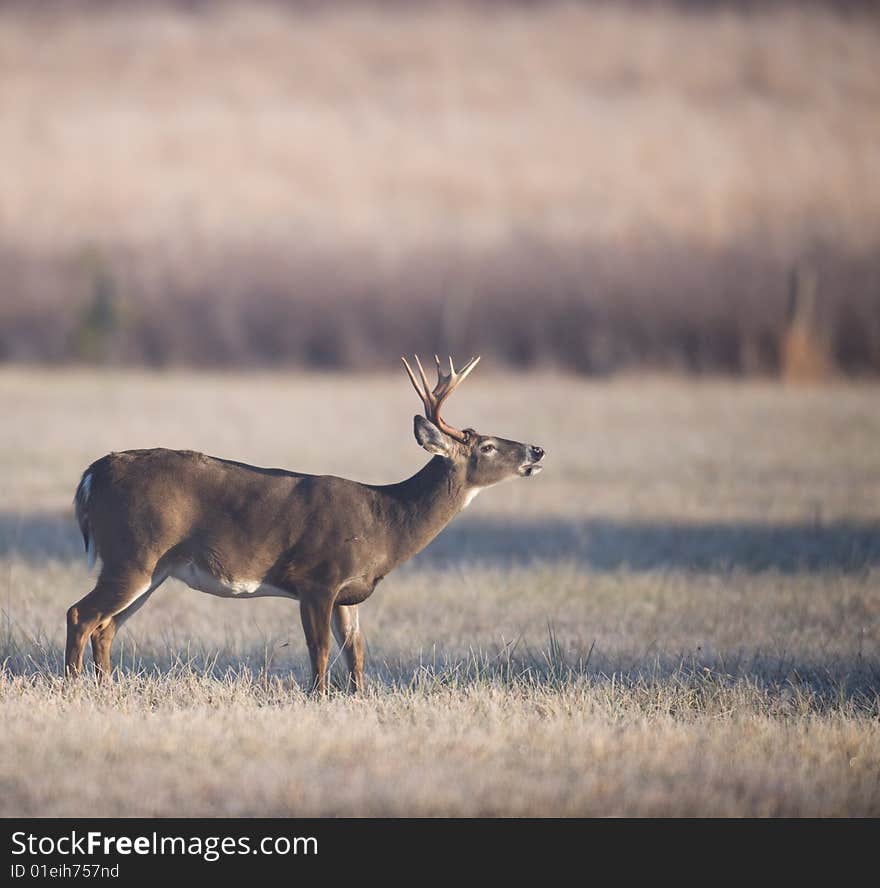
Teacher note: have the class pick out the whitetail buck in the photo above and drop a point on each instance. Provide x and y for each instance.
(239, 531)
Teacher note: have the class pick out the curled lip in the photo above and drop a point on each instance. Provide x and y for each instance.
(529, 469)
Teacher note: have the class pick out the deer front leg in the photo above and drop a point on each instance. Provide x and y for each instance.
(347, 629)
(315, 610)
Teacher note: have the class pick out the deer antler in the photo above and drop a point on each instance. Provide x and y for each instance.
(446, 385)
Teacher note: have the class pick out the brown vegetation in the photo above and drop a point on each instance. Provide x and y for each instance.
(589, 310)
(805, 350)
(593, 186)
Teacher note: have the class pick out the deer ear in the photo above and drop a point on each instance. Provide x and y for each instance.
(430, 437)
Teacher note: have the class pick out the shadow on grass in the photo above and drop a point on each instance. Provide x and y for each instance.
(607, 545)
(599, 544)
(689, 680)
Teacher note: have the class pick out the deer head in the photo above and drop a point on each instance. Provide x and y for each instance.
(485, 459)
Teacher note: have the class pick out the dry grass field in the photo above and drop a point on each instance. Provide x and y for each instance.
(681, 615)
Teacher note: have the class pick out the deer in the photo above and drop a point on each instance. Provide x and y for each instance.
(239, 531)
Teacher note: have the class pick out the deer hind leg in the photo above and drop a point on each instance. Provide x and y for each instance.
(315, 610)
(347, 629)
(102, 637)
(114, 593)
(102, 640)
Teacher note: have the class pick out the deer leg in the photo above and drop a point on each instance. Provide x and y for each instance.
(315, 611)
(347, 629)
(114, 592)
(102, 637)
(102, 640)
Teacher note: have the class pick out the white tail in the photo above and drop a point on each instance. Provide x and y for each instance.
(81, 506)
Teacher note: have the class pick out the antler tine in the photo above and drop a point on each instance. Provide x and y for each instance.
(452, 380)
(462, 374)
(421, 392)
(422, 374)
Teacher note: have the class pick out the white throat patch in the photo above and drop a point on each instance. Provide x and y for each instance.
(470, 495)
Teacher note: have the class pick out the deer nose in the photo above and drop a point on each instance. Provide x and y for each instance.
(537, 453)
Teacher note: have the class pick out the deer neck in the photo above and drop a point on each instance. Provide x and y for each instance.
(421, 506)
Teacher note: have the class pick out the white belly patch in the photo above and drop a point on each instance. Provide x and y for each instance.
(202, 580)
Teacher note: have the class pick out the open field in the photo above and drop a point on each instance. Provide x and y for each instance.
(448, 122)
(208, 184)
(681, 615)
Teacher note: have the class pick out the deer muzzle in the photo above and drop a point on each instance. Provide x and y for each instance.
(533, 464)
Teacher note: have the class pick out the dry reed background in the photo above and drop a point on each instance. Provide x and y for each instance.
(591, 186)
(681, 615)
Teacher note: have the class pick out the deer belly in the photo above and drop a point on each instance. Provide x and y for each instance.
(357, 591)
(198, 578)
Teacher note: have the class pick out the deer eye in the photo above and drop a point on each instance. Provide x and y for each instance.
(488, 448)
